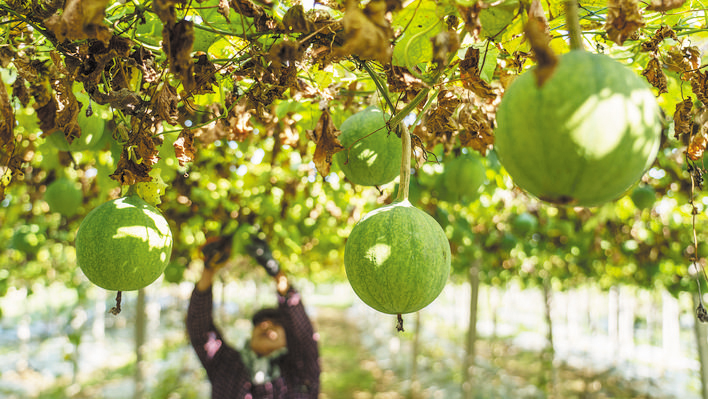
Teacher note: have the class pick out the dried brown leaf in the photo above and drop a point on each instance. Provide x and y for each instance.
(367, 33)
(128, 172)
(683, 118)
(439, 122)
(470, 16)
(665, 5)
(444, 44)
(249, 9)
(400, 79)
(79, 20)
(224, 9)
(139, 154)
(697, 146)
(7, 119)
(659, 35)
(184, 147)
(240, 126)
(655, 75)
(287, 131)
(145, 62)
(165, 10)
(20, 91)
(476, 130)
(623, 19)
(295, 20)
(177, 44)
(325, 136)
(546, 59)
(699, 85)
(6, 55)
(204, 75)
(469, 74)
(167, 104)
(537, 15)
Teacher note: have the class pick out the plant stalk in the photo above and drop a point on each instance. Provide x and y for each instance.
(572, 21)
(404, 184)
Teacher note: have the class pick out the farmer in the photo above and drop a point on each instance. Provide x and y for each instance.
(281, 360)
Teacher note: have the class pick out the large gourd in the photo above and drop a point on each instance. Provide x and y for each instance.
(582, 138)
(372, 154)
(124, 244)
(464, 176)
(64, 197)
(397, 257)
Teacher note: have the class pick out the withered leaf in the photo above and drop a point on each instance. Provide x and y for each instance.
(697, 146)
(128, 172)
(665, 5)
(249, 9)
(699, 85)
(470, 16)
(184, 147)
(177, 44)
(284, 52)
(288, 134)
(476, 130)
(61, 112)
(367, 33)
(145, 61)
(295, 20)
(224, 9)
(470, 74)
(240, 126)
(537, 14)
(6, 55)
(444, 44)
(7, 119)
(165, 10)
(679, 60)
(139, 154)
(400, 79)
(80, 19)
(655, 75)
(546, 59)
(439, 121)
(623, 19)
(20, 91)
(683, 118)
(659, 35)
(325, 136)
(167, 104)
(204, 75)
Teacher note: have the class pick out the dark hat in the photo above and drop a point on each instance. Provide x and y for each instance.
(272, 314)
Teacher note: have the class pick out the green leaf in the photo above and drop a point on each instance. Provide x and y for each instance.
(497, 18)
(421, 24)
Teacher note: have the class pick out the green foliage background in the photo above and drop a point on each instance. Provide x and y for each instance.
(272, 72)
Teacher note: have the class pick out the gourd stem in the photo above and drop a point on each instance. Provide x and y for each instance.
(405, 164)
(572, 21)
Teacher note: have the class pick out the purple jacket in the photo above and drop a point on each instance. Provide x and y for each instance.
(299, 368)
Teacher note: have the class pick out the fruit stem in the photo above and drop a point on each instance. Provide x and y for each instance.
(116, 309)
(572, 21)
(405, 164)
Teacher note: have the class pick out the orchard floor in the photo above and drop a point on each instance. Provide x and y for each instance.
(363, 357)
(503, 363)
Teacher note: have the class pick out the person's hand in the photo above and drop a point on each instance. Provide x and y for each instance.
(259, 249)
(216, 251)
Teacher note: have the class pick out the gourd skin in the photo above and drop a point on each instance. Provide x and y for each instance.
(585, 136)
(397, 258)
(124, 244)
(372, 154)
